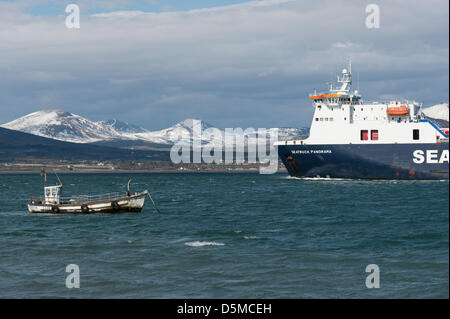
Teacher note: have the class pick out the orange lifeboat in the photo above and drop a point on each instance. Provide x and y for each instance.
(400, 110)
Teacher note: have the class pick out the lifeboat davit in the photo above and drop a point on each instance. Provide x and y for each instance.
(398, 110)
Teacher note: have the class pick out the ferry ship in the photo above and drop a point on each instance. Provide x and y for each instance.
(353, 140)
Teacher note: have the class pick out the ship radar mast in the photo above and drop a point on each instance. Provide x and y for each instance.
(345, 79)
(342, 89)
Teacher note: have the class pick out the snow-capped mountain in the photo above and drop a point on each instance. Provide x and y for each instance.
(183, 130)
(438, 111)
(61, 125)
(65, 126)
(122, 127)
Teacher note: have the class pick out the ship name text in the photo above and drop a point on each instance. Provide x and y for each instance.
(430, 157)
(312, 152)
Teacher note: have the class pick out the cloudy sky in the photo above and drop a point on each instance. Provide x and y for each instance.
(230, 63)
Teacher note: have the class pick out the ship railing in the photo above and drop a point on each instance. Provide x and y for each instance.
(81, 198)
(90, 198)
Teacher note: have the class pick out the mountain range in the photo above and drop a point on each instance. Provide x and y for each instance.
(68, 127)
(20, 146)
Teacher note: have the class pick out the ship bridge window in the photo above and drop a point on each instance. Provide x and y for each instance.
(416, 134)
(317, 119)
(364, 135)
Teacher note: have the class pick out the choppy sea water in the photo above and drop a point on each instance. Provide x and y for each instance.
(230, 236)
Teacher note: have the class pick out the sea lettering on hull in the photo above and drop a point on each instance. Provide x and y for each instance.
(430, 157)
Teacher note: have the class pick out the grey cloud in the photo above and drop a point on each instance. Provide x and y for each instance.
(244, 65)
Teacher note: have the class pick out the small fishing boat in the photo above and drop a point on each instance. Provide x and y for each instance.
(53, 203)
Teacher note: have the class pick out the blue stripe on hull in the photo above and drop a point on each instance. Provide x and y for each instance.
(365, 161)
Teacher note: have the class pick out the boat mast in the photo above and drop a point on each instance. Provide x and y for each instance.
(44, 175)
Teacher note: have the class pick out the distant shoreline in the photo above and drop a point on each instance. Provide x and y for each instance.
(31, 172)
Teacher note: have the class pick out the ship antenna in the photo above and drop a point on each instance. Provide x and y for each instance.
(57, 177)
(357, 81)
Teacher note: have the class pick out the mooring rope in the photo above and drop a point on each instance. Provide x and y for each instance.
(154, 205)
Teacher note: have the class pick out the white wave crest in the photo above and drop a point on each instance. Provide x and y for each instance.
(203, 243)
(320, 178)
(251, 237)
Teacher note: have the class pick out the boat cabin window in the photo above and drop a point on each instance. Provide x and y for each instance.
(416, 134)
(374, 135)
(364, 135)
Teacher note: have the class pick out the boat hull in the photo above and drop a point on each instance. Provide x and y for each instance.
(374, 161)
(132, 204)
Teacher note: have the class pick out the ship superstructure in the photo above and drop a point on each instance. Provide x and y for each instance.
(353, 139)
